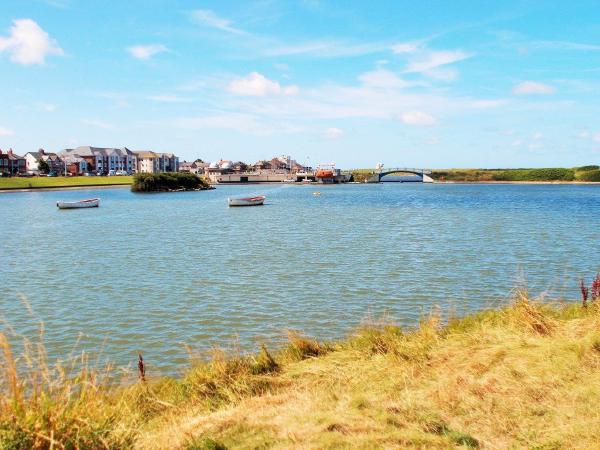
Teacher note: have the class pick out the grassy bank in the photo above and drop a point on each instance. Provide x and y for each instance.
(527, 375)
(584, 174)
(58, 182)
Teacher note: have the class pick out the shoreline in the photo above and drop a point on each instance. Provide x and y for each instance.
(122, 185)
(399, 385)
(64, 188)
(518, 182)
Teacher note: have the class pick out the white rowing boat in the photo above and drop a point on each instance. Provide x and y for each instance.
(90, 203)
(248, 201)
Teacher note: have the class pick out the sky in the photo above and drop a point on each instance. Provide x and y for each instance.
(431, 84)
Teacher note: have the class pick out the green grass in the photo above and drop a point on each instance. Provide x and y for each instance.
(523, 376)
(582, 174)
(56, 182)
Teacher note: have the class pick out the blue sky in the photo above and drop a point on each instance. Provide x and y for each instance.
(426, 84)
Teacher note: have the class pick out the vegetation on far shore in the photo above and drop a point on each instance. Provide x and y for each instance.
(163, 182)
(584, 173)
(525, 375)
(58, 182)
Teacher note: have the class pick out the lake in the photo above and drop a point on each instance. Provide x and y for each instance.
(158, 272)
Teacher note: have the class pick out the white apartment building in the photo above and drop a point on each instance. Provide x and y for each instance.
(153, 162)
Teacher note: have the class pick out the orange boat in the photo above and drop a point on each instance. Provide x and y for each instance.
(326, 171)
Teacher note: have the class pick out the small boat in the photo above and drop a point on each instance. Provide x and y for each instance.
(90, 203)
(247, 201)
(317, 194)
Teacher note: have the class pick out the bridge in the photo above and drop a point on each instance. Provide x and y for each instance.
(376, 175)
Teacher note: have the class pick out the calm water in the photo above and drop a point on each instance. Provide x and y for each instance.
(151, 272)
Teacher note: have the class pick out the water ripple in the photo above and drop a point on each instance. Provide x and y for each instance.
(151, 272)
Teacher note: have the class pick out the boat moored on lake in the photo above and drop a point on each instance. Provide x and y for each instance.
(246, 201)
(89, 203)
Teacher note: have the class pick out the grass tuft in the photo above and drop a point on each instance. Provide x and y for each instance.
(301, 347)
(204, 444)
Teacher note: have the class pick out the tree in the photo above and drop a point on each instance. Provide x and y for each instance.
(43, 166)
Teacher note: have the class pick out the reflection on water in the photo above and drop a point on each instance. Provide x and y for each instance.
(149, 272)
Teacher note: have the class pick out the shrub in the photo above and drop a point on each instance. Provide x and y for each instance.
(301, 347)
(160, 182)
(589, 175)
(586, 168)
(551, 174)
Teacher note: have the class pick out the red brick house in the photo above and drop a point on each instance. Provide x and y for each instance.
(12, 164)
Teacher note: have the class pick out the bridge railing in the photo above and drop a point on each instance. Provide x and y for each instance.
(390, 170)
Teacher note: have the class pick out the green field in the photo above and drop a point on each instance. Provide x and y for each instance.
(576, 174)
(58, 182)
(581, 174)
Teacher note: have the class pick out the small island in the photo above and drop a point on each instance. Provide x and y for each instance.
(168, 182)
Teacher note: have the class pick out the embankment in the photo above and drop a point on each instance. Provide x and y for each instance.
(31, 183)
(524, 376)
(560, 175)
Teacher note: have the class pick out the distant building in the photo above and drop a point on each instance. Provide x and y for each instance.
(195, 167)
(104, 160)
(11, 163)
(153, 162)
(55, 163)
(75, 165)
(262, 165)
(168, 162)
(147, 162)
(240, 166)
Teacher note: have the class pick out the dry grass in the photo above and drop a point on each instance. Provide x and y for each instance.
(524, 376)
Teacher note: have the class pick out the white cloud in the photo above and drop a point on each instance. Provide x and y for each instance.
(333, 133)
(417, 118)
(406, 47)
(168, 99)
(210, 19)
(565, 45)
(586, 135)
(381, 78)
(257, 85)
(97, 124)
(517, 143)
(533, 87)
(282, 67)
(434, 59)
(324, 49)
(28, 43)
(487, 104)
(241, 122)
(48, 107)
(537, 136)
(61, 4)
(193, 85)
(442, 74)
(6, 131)
(145, 52)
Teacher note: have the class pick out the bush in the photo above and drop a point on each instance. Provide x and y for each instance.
(586, 168)
(160, 182)
(589, 175)
(551, 174)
